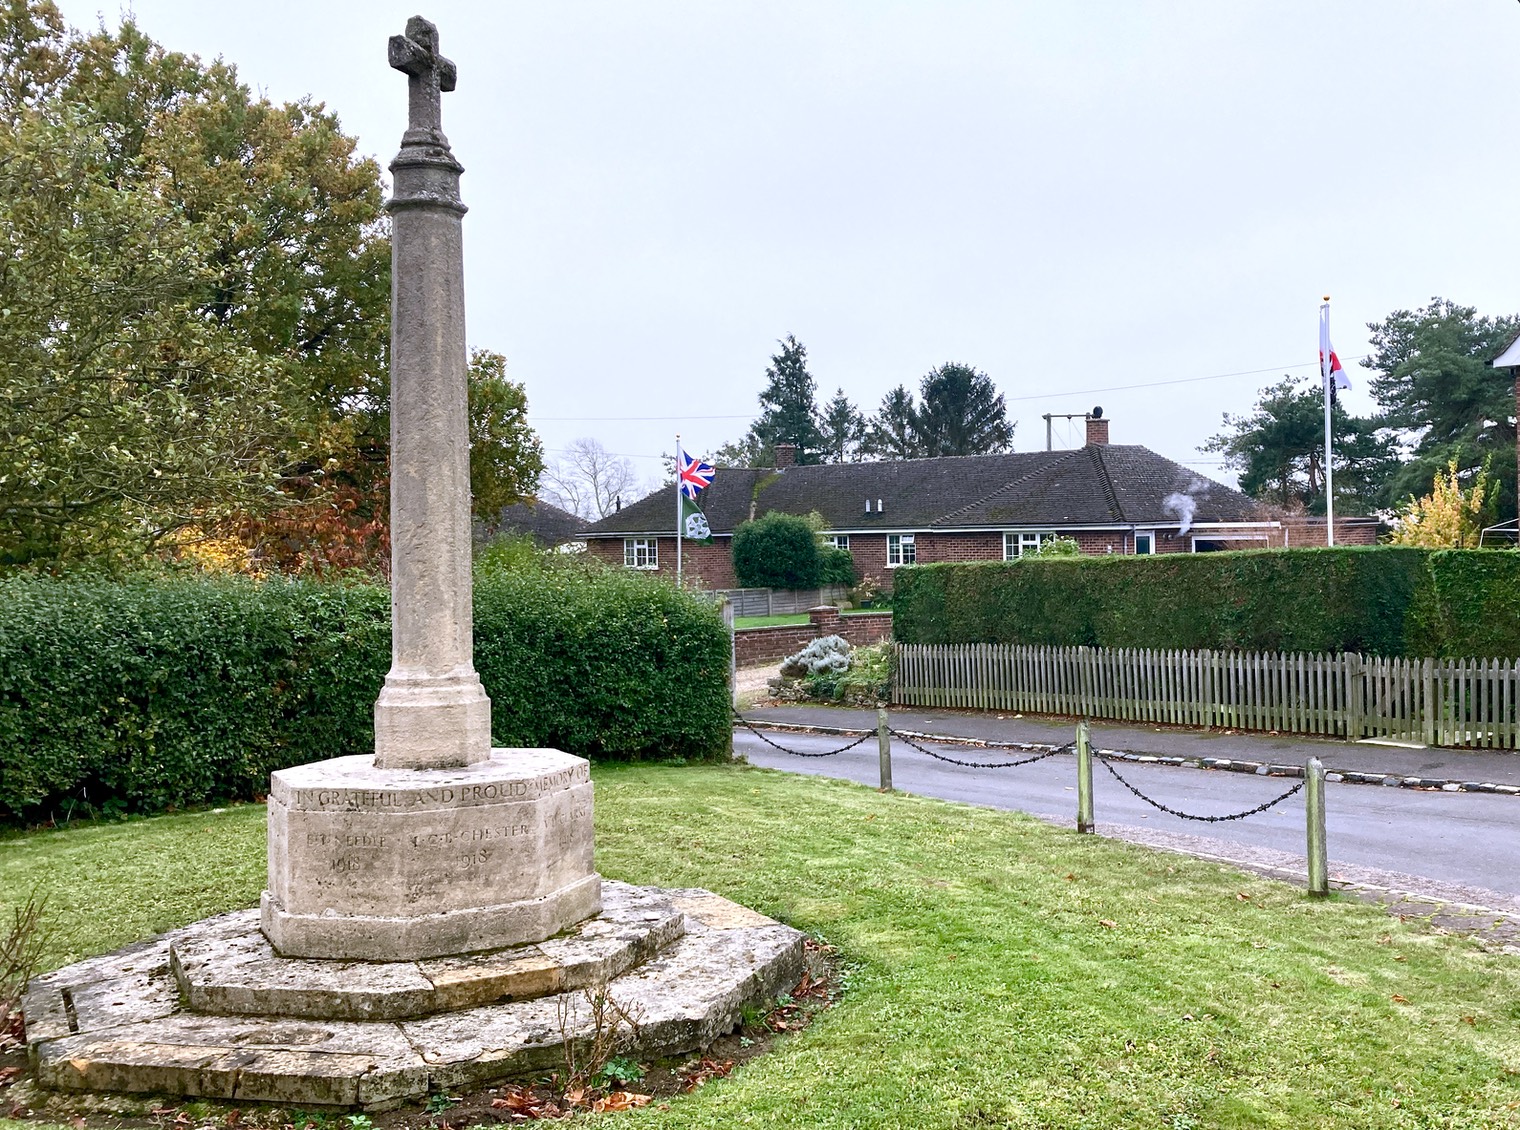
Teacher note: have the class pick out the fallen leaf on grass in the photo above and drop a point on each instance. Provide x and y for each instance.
(1242, 896)
(1469, 1020)
(1399, 1000)
(1108, 922)
(620, 1100)
(704, 1070)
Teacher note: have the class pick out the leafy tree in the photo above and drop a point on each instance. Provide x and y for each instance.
(589, 481)
(962, 413)
(842, 429)
(1279, 448)
(788, 406)
(1451, 516)
(1435, 387)
(506, 456)
(777, 551)
(746, 451)
(195, 293)
(124, 414)
(893, 432)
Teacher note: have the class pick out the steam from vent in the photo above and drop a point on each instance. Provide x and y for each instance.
(1181, 505)
(1185, 505)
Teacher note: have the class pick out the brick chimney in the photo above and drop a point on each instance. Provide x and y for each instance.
(786, 455)
(1097, 428)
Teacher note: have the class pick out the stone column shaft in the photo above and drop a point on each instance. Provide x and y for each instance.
(433, 711)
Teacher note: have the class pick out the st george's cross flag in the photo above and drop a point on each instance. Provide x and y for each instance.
(1329, 364)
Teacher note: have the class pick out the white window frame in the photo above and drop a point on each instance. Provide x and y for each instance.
(837, 541)
(1017, 543)
(1151, 534)
(906, 550)
(641, 553)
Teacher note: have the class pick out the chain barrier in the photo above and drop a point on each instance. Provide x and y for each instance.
(748, 725)
(1188, 815)
(1067, 748)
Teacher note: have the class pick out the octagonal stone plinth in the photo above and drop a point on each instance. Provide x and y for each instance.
(373, 864)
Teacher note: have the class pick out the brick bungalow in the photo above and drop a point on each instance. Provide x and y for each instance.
(1111, 498)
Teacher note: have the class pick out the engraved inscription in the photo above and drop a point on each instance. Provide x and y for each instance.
(349, 800)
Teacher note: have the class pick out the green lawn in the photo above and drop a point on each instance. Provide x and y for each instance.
(787, 621)
(1001, 972)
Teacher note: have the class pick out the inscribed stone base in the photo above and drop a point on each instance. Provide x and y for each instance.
(375, 864)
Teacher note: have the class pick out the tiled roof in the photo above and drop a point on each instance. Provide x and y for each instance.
(1090, 486)
(545, 523)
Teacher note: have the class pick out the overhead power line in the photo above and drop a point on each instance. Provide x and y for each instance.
(1062, 394)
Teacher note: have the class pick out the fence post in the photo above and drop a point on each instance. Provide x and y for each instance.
(1084, 778)
(884, 746)
(733, 653)
(1356, 695)
(1314, 816)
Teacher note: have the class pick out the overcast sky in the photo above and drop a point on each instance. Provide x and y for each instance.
(1072, 197)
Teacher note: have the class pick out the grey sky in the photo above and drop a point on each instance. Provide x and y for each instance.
(1069, 196)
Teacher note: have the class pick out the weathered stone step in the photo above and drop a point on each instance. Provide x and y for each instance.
(225, 966)
(115, 1023)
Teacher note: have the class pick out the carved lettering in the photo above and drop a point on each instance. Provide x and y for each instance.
(445, 796)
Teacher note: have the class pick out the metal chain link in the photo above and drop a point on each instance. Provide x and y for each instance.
(748, 725)
(981, 764)
(1189, 815)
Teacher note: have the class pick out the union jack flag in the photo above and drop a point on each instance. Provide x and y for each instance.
(696, 474)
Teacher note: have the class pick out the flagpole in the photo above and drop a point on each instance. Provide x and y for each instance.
(1325, 378)
(678, 510)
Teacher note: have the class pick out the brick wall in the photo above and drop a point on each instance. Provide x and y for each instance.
(763, 645)
(702, 566)
(1300, 533)
(711, 566)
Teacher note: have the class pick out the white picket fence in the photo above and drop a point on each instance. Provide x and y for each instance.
(1448, 702)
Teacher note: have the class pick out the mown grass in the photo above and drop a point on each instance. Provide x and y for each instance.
(1001, 972)
(782, 621)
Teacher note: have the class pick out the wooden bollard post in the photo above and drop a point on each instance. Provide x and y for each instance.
(1084, 779)
(884, 745)
(1314, 817)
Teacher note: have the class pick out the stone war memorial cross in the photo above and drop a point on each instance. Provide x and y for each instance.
(433, 919)
(437, 844)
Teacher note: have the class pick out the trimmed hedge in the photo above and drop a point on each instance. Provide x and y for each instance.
(1384, 600)
(160, 692)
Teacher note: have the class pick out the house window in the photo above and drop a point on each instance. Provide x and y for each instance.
(900, 550)
(1016, 545)
(837, 541)
(1145, 543)
(641, 553)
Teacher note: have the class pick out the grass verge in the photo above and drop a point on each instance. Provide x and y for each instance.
(1002, 972)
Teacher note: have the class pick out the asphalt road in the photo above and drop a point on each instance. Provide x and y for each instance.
(1467, 840)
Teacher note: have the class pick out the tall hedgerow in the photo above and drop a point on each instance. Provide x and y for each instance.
(167, 690)
(1384, 600)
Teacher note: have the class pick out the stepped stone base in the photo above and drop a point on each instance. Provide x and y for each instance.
(682, 963)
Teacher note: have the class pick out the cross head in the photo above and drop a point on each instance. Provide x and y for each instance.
(428, 73)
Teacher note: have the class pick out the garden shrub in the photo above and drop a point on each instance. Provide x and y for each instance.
(167, 690)
(837, 566)
(1383, 600)
(778, 551)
